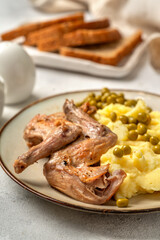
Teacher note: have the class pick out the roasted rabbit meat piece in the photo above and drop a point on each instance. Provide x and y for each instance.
(40, 126)
(90, 127)
(74, 169)
(68, 170)
(54, 139)
(71, 169)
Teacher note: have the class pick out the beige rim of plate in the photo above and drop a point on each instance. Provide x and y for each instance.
(32, 178)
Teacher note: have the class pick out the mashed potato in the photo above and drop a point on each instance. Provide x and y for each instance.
(142, 165)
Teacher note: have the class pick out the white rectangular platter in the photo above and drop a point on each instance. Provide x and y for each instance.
(54, 60)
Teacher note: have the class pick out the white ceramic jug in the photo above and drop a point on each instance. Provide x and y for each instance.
(1, 96)
(18, 72)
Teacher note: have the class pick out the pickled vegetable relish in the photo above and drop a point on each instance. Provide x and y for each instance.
(138, 147)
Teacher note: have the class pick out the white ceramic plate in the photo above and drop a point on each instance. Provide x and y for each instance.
(12, 144)
(58, 61)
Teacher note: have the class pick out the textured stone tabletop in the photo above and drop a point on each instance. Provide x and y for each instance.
(25, 216)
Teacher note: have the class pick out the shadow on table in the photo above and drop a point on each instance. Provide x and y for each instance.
(25, 103)
(99, 226)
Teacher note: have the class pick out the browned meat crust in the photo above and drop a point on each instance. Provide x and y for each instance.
(40, 126)
(55, 139)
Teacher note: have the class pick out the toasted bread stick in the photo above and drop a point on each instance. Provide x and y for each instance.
(110, 54)
(54, 31)
(81, 38)
(57, 31)
(25, 29)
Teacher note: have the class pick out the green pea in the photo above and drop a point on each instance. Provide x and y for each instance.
(111, 99)
(122, 202)
(104, 97)
(148, 119)
(98, 98)
(141, 128)
(78, 104)
(154, 140)
(99, 105)
(88, 99)
(130, 103)
(118, 152)
(146, 137)
(123, 119)
(105, 90)
(142, 117)
(92, 102)
(92, 94)
(121, 95)
(113, 116)
(149, 109)
(126, 149)
(120, 100)
(132, 120)
(113, 94)
(156, 149)
(132, 126)
(133, 135)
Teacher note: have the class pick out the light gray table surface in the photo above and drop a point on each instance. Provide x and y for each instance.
(25, 216)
